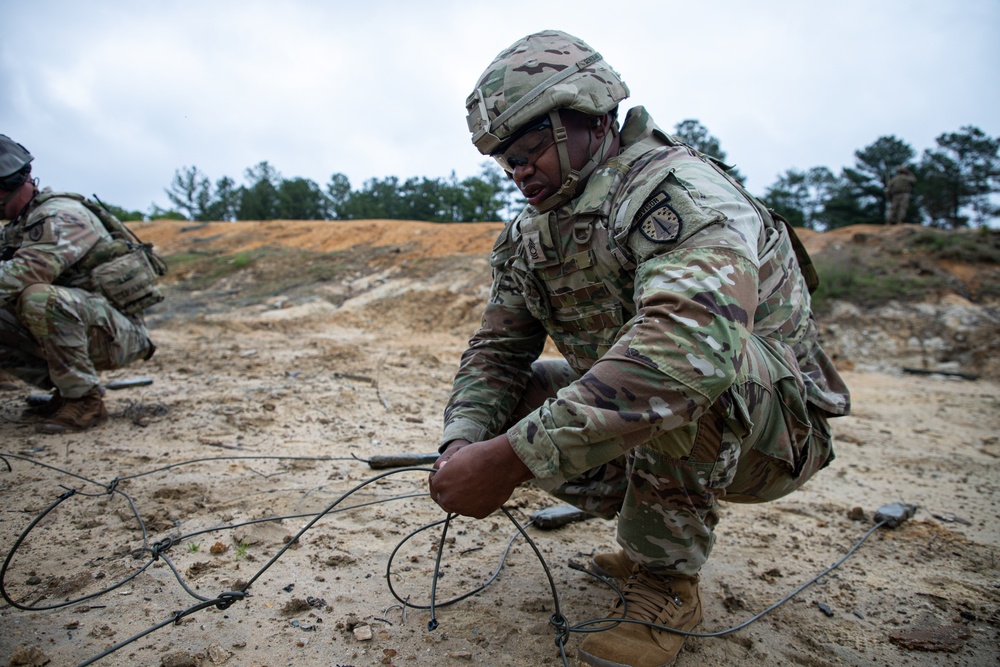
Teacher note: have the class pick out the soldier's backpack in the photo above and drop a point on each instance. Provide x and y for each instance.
(125, 270)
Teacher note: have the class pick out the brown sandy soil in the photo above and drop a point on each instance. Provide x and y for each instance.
(269, 393)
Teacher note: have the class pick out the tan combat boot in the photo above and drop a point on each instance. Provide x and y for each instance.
(670, 601)
(76, 414)
(612, 565)
(38, 407)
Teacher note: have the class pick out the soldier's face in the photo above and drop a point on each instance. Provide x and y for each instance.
(541, 177)
(5, 197)
(12, 201)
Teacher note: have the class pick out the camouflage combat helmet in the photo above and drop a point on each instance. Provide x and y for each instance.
(13, 159)
(13, 156)
(534, 77)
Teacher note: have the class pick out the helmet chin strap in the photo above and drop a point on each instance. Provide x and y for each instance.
(571, 178)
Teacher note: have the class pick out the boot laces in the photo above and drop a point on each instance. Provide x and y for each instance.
(649, 598)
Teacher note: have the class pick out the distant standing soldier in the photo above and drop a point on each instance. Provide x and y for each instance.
(898, 194)
(56, 330)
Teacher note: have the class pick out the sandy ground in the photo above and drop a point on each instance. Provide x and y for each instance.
(257, 427)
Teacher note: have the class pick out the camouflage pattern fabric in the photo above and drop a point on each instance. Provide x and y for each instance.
(54, 331)
(898, 192)
(20, 354)
(693, 370)
(521, 85)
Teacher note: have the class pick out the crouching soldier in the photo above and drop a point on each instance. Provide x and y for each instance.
(692, 371)
(58, 328)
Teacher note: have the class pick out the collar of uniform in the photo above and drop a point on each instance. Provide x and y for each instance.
(639, 135)
(638, 126)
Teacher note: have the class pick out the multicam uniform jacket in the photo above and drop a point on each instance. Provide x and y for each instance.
(660, 284)
(56, 241)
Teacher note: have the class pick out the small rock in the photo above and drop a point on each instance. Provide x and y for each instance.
(363, 633)
(295, 606)
(217, 654)
(943, 638)
(261, 533)
(337, 560)
(103, 631)
(178, 659)
(28, 657)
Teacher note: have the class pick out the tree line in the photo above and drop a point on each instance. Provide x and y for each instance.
(266, 195)
(957, 184)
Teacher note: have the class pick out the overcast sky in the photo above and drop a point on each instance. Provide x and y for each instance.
(113, 97)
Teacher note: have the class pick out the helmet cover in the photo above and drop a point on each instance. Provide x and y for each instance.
(13, 156)
(542, 72)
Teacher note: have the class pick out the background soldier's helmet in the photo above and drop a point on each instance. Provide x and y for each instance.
(15, 165)
(13, 156)
(540, 73)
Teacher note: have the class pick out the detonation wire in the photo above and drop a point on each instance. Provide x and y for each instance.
(156, 550)
(224, 600)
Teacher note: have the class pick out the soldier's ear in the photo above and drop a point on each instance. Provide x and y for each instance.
(601, 125)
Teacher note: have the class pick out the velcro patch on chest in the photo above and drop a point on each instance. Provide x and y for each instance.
(533, 248)
(657, 219)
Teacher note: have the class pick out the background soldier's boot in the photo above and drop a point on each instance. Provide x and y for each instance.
(612, 565)
(670, 601)
(77, 414)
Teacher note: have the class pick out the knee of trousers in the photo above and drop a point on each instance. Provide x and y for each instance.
(45, 309)
(33, 307)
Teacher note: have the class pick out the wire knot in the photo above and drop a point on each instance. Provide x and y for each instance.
(160, 547)
(561, 624)
(225, 600)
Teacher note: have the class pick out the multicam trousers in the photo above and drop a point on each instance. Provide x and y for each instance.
(896, 215)
(760, 441)
(59, 337)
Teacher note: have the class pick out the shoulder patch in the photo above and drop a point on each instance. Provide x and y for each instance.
(40, 231)
(657, 220)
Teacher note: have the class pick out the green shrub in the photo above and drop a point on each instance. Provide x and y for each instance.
(981, 246)
(864, 287)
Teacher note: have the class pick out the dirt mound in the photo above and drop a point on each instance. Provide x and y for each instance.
(409, 238)
(901, 297)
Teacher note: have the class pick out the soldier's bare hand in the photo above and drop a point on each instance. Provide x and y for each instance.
(478, 478)
(450, 451)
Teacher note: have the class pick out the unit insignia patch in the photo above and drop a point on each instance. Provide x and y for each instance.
(658, 221)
